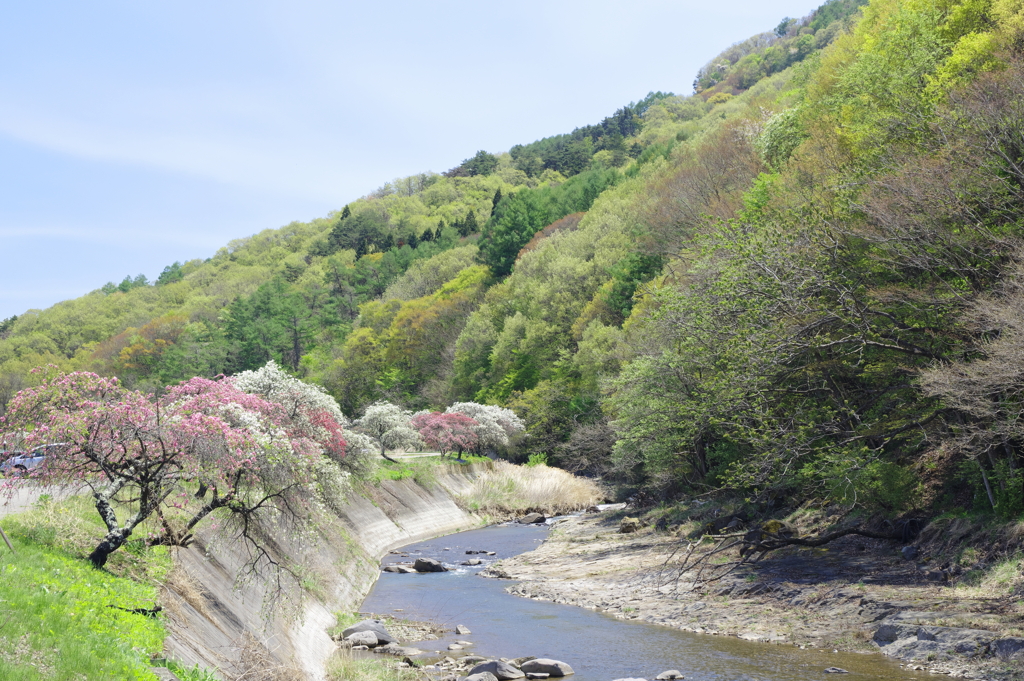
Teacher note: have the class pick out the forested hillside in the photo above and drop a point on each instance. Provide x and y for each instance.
(802, 280)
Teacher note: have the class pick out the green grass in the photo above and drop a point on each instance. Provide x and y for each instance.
(423, 470)
(344, 667)
(55, 622)
(55, 619)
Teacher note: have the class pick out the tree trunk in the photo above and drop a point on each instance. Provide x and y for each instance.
(112, 542)
(383, 452)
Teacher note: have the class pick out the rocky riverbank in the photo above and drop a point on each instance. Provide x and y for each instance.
(857, 595)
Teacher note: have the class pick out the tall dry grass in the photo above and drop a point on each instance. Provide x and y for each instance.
(508, 488)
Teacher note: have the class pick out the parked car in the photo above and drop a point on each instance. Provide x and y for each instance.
(20, 463)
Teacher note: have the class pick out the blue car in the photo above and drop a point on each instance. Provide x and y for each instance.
(20, 463)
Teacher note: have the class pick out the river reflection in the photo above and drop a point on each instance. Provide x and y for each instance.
(597, 646)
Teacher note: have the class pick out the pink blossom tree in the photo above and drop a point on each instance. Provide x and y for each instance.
(204, 446)
(446, 432)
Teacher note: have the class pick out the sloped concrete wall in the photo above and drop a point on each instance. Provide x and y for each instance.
(210, 625)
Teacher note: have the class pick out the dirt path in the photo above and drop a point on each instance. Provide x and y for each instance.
(839, 598)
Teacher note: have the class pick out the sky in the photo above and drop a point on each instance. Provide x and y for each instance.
(137, 134)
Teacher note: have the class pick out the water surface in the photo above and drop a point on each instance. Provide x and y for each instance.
(597, 646)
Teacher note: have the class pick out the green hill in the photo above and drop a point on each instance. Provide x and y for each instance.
(800, 280)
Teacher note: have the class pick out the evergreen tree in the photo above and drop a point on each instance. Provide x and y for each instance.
(413, 240)
(469, 225)
(427, 235)
(496, 200)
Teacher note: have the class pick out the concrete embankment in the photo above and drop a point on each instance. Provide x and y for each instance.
(220, 618)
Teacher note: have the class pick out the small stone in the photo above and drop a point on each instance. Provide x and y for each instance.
(482, 676)
(472, 561)
(490, 553)
(670, 674)
(360, 647)
(462, 630)
(629, 525)
(532, 518)
(454, 646)
(836, 670)
(537, 675)
(909, 552)
(392, 568)
(464, 643)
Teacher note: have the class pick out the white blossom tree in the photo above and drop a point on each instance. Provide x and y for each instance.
(389, 427)
(309, 408)
(495, 426)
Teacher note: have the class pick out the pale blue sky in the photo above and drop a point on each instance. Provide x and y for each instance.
(134, 134)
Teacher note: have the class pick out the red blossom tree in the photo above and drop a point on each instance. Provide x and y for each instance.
(203, 446)
(446, 432)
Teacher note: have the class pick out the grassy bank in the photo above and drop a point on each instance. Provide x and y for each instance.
(62, 619)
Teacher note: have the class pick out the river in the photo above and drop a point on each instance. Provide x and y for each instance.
(597, 646)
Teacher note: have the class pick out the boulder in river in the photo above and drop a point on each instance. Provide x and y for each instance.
(429, 565)
(383, 637)
(503, 671)
(537, 675)
(670, 674)
(472, 561)
(392, 568)
(482, 676)
(462, 630)
(532, 518)
(363, 638)
(629, 525)
(836, 670)
(545, 665)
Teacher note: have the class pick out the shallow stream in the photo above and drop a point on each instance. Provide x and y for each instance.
(597, 646)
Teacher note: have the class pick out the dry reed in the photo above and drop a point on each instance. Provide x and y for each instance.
(508, 488)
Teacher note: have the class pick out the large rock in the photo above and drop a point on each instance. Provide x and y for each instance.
(363, 638)
(383, 636)
(915, 642)
(532, 518)
(670, 674)
(472, 561)
(1008, 648)
(482, 676)
(429, 565)
(544, 665)
(462, 630)
(503, 671)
